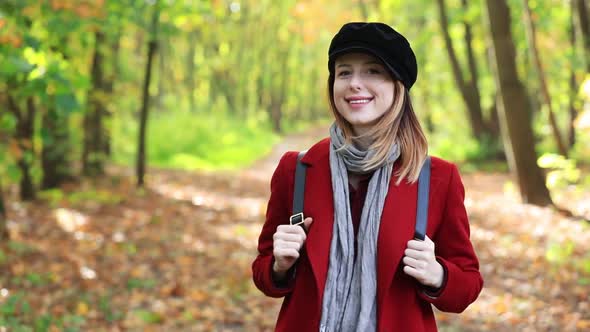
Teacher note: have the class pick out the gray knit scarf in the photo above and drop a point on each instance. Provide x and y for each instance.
(350, 301)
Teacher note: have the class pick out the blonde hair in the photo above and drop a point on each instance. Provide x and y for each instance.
(398, 125)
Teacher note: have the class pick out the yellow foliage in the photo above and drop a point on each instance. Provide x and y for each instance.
(82, 308)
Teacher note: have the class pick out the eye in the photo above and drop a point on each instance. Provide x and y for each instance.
(343, 73)
(374, 71)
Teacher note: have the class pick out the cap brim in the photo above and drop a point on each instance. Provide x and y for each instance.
(351, 49)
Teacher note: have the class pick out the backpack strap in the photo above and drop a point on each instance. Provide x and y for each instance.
(297, 217)
(422, 208)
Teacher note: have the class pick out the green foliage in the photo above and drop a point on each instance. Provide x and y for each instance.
(561, 171)
(559, 253)
(148, 316)
(55, 197)
(104, 305)
(190, 141)
(20, 248)
(138, 283)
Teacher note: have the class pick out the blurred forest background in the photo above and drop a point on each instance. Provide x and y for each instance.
(137, 139)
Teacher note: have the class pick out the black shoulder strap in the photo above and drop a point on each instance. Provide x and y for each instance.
(422, 206)
(422, 209)
(297, 217)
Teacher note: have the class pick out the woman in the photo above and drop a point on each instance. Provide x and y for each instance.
(354, 265)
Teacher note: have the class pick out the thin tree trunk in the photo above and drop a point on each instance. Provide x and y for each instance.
(55, 149)
(584, 28)
(190, 68)
(152, 45)
(24, 139)
(364, 10)
(110, 89)
(531, 36)
(468, 89)
(3, 229)
(573, 113)
(92, 152)
(513, 109)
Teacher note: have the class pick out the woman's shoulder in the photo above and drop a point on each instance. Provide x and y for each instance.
(443, 168)
(314, 153)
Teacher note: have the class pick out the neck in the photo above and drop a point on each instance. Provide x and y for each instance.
(362, 142)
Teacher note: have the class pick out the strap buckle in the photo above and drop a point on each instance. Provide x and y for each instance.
(297, 219)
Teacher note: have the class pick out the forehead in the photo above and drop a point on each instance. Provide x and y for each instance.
(357, 57)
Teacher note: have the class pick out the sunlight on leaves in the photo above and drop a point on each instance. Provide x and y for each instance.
(559, 253)
(87, 273)
(70, 220)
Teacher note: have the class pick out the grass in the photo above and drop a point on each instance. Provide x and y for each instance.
(193, 141)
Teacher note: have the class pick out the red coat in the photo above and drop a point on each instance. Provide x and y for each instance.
(402, 304)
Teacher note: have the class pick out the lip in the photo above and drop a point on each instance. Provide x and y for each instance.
(358, 106)
(351, 98)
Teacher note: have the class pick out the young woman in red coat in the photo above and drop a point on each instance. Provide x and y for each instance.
(354, 265)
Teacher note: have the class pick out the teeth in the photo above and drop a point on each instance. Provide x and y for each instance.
(359, 101)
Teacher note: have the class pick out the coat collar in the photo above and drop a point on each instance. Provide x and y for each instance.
(317, 152)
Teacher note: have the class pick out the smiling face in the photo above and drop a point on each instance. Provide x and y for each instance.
(363, 90)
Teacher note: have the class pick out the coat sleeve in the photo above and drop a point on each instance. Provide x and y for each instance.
(277, 212)
(455, 253)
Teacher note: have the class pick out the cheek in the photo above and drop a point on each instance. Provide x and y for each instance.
(338, 89)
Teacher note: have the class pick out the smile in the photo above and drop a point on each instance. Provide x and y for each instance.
(359, 100)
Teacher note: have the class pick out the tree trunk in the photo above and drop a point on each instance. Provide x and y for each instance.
(584, 28)
(513, 109)
(364, 10)
(468, 89)
(3, 228)
(531, 36)
(24, 138)
(92, 152)
(152, 45)
(110, 89)
(573, 112)
(55, 149)
(190, 68)
(163, 50)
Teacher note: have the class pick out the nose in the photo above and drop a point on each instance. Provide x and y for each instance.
(355, 82)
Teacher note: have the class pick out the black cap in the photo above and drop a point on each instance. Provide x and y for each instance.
(380, 40)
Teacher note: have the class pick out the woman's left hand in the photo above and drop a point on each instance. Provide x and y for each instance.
(420, 263)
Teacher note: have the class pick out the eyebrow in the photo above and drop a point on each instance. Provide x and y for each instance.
(366, 63)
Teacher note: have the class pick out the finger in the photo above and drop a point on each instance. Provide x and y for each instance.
(289, 237)
(412, 272)
(291, 229)
(415, 263)
(419, 245)
(286, 252)
(416, 254)
(288, 244)
(307, 223)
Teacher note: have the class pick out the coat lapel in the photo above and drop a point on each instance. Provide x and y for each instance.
(396, 229)
(319, 205)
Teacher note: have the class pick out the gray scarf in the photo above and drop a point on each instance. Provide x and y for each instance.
(350, 301)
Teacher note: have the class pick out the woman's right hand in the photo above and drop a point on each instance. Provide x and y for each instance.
(287, 242)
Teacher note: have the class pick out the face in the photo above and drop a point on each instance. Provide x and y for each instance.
(363, 90)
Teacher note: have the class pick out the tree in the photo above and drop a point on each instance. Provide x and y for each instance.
(514, 109)
(532, 40)
(484, 131)
(3, 229)
(93, 149)
(151, 51)
(583, 24)
(24, 139)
